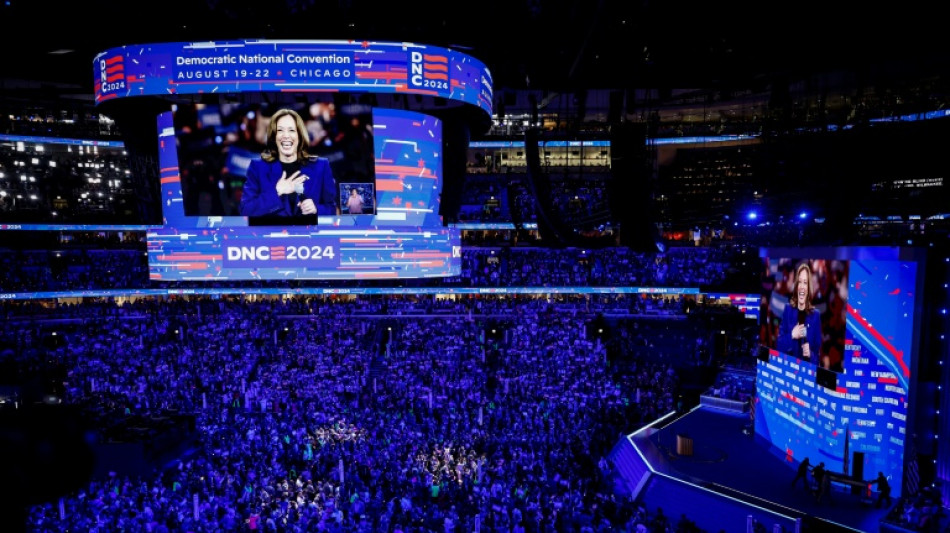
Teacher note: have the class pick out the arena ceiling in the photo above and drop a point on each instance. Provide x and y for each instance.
(537, 44)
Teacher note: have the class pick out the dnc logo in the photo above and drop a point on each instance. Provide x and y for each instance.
(428, 71)
(111, 74)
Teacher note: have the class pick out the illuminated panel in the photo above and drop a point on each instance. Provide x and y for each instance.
(408, 172)
(301, 253)
(163, 69)
(403, 240)
(867, 410)
(408, 168)
(36, 139)
(747, 304)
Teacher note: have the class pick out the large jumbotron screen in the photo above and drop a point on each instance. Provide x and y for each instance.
(398, 233)
(381, 106)
(851, 403)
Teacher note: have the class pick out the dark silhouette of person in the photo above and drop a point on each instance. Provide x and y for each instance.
(884, 488)
(818, 473)
(802, 473)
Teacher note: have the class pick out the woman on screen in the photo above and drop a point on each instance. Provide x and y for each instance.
(287, 180)
(800, 329)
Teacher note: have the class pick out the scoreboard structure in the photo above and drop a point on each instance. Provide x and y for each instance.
(392, 119)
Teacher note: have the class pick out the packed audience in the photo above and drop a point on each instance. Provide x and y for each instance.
(62, 181)
(922, 512)
(733, 385)
(125, 266)
(60, 118)
(580, 201)
(359, 414)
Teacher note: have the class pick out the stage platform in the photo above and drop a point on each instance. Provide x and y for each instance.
(728, 467)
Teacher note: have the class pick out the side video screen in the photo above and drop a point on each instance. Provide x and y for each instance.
(846, 405)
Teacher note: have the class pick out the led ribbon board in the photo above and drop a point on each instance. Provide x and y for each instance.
(278, 65)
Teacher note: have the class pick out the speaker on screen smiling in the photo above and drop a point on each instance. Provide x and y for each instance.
(799, 333)
(288, 184)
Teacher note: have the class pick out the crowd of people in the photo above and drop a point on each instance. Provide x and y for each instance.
(326, 414)
(65, 182)
(112, 266)
(922, 512)
(580, 200)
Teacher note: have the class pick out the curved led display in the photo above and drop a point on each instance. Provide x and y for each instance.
(164, 69)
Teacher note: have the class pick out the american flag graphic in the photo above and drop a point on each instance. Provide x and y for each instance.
(111, 69)
(912, 476)
(435, 67)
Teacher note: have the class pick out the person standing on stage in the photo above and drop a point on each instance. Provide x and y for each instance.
(802, 473)
(884, 488)
(818, 473)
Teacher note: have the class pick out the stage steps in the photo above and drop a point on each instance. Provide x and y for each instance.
(630, 468)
